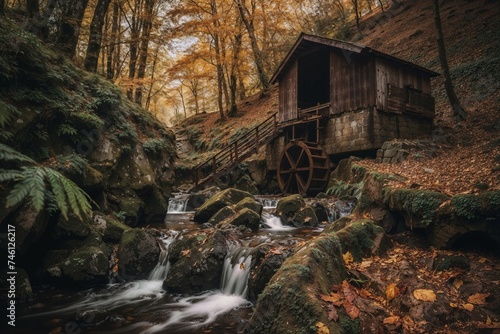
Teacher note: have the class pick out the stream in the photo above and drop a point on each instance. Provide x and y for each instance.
(142, 306)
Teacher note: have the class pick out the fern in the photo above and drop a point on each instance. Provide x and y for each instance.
(34, 184)
(7, 153)
(7, 113)
(66, 129)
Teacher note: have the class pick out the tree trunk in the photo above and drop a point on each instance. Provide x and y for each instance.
(147, 25)
(233, 77)
(356, 12)
(258, 56)
(218, 60)
(2, 7)
(33, 18)
(95, 39)
(47, 13)
(110, 64)
(69, 29)
(458, 111)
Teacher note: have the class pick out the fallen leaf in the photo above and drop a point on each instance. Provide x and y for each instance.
(391, 320)
(56, 330)
(348, 291)
(351, 310)
(242, 266)
(482, 260)
(115, 268)
(322, 329)
(331, 298)
(457, 283)
(488, 320)
(332, 313)
(348, 258)
(468, 307)
(365, 293)
(392, 291)
(186, 252)
(454, 305)
(478, 298)
(424, 295)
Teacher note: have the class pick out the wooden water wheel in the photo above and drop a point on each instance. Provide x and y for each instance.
(303, 169)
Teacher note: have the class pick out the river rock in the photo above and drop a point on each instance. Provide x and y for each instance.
(224, 198)
(288, 206)
(362, 238)
(131, 208)
(250, 203)
(24, 292)
(87, 266)
(110, 228)
(72, 227)
(221, 215)
(293, 211)
(245, 183)
(137, 254)
(246, 217)
(289, 303)
(197, 261)
(321, 211)
(30, 227)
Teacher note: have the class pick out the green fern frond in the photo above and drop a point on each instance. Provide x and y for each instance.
(7, 113)
(78, 200)
(10, 175)
(21, 189)
(58, 191)
(7, 153)
(37, 190)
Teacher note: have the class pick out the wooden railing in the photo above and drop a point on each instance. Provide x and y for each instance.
(237, 150)
(320, 110)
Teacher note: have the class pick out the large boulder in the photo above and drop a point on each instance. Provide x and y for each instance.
(293, 211)
(250, 203)
(224, 198)
(246, 217)
(30, 227)
(289, 303)
(71, 227)
(197, 262)
(83, 266)
(137, 254)
(222, 215)
(110, 229)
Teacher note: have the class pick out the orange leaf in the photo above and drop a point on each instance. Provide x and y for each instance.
(331, 298)
(332, 313)
(457, 283)
(424, 295)
(391, 320)
(365, 293)
(478, 298)
(348, 258)
(392, 291)
(351, 309)
(322, 329)
(468, 307)
(348, 291)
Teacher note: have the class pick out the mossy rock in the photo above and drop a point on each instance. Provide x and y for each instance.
(110, 228)
(288, 206)
(155, 207)
(224, 198)
(24, 292)
(289, 303)
(132, 208)
(221, 215)
(138, 254)
(30, 227)
(72, 227)
(419, 207)
(87, 266)
(245, 217)
(246, 184)
(197, 263)
(305, 217)
(363, 238)
(52, 263)
(447, 262)
(250, 203)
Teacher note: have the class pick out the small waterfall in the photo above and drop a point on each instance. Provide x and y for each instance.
(235, 272)
(340, 209)
(268, 202)
(274, 223)
(178, 203)
(163, 266)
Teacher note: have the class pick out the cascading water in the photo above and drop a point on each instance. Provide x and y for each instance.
(274, 223)
(340, 209)
(204, 309)
(163, 265)
(267, 202)
(178, 203)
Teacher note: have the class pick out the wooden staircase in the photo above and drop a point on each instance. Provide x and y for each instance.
(236, 151)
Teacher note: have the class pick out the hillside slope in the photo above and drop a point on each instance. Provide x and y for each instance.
(470, 153)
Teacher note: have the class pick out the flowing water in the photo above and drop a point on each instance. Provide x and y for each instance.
(142, 306)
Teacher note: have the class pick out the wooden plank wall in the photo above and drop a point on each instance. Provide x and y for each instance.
(395, 75)
(288, 94)
(352, 81)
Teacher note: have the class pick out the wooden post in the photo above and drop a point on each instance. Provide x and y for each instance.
(196, 176)
(256, 138)
(214, 164)
(236, 151)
